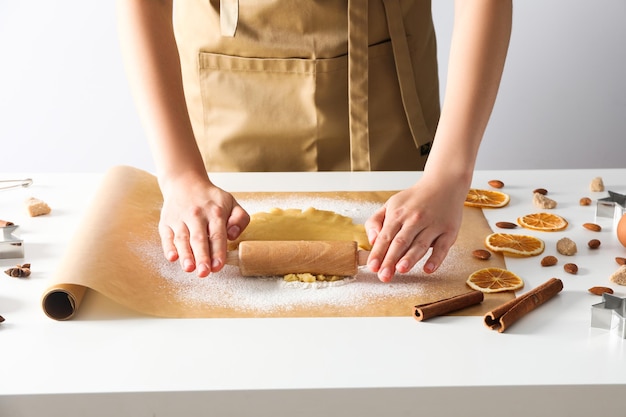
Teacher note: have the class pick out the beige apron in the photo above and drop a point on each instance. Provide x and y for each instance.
(315, 85)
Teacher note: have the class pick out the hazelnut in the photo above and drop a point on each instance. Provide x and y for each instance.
(549, 260)
(594, 244)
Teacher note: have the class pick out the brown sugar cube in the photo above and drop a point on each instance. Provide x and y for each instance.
(36, 207)
(619, 276)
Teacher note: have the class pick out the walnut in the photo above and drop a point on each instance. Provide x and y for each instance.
(566, 246)
(541, 201)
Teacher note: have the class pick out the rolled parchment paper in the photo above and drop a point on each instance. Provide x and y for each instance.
(505, 315)
(116, 252)
(448, 305)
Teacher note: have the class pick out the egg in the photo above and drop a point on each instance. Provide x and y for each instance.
(621, 230)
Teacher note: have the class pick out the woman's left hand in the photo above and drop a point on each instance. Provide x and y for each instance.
(410, 223)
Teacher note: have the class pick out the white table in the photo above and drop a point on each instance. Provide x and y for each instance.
(120, 364)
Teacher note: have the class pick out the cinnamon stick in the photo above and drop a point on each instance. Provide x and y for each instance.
(4, 223)
(447, 305)
(502, 317)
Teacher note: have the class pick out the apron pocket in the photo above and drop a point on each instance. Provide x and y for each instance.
(265, 114)
(260, 114)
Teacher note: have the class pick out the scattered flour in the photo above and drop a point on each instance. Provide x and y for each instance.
(228, 289)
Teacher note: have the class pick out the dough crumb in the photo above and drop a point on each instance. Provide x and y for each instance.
(306, 277)
(619, 276)
(36, 207)
(597, 184)
(541, 201)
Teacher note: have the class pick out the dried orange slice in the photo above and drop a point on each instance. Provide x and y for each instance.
(486, 198)
(515, 245)
(494, 280)
(545, 222)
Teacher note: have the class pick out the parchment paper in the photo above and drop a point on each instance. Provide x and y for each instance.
(116, 252)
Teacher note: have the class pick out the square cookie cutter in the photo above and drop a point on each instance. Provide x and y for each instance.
(610, 314)
(11, 246)
(612, 207)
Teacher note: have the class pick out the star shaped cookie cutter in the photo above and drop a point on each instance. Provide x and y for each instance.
(610, 314)
(613, 206)
(10, 245)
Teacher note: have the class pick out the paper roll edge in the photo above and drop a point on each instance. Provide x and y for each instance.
(62, 301)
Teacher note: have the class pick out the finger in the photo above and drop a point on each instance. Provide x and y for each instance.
(217, 243)
(397, 248)
(416, 251)
(185, 254)
(199, 243)
(237, 222)
(167, 243)
(378, 260)
(374, 224)
(373, 227)
(441, 248)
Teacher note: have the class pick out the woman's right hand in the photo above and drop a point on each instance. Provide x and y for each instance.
(197, 219)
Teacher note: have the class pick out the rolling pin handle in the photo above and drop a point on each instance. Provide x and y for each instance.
(362, 256)
(232, 258)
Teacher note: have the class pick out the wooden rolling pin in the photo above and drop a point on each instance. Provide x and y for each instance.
(269, 258)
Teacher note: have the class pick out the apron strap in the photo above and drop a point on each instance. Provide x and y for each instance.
(404, 69)
(229, 15)
(358, 47)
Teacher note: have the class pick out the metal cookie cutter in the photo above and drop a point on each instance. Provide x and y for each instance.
(10, 245)
(610, 314)
(613, 206)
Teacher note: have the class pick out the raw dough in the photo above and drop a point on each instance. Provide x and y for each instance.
(309, 224)
(296, 224)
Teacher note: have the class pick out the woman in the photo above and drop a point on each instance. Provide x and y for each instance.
(287, 85)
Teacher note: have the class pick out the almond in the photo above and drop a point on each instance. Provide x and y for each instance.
(585, 201)
(541, 191)
(506, 225)
(600, 290)
(592, 226)
(571, 268)
(481, 254)
(549, 260)
(620, 260)
(594, 244)
(496, 183)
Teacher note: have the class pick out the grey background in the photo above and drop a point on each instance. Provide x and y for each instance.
(65, 104)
